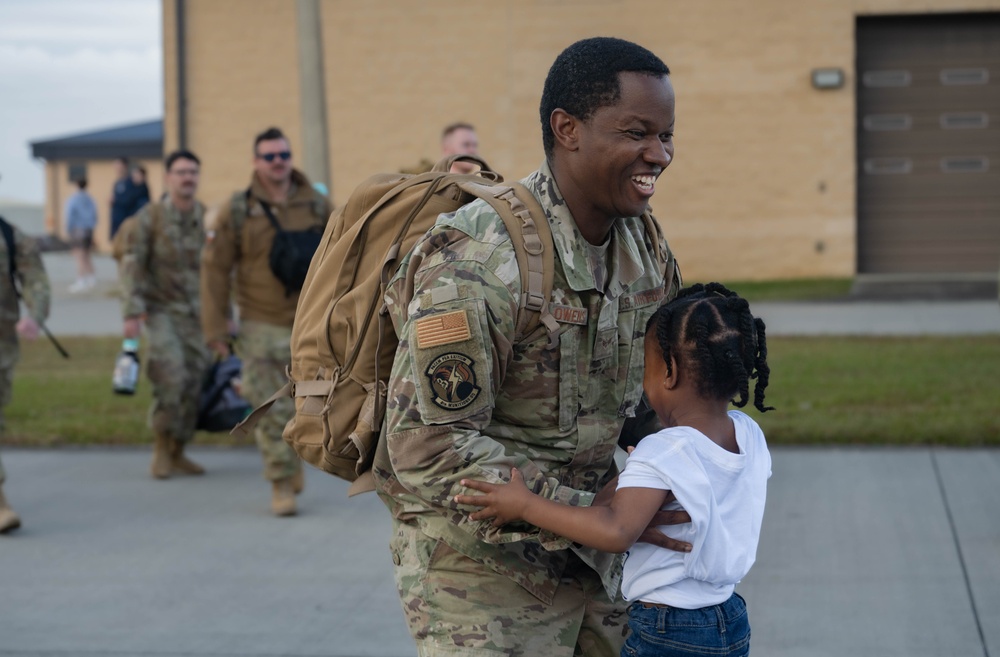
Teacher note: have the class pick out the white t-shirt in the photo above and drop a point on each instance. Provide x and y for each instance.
(723, 492)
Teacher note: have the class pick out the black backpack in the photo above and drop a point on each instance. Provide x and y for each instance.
(220, 407)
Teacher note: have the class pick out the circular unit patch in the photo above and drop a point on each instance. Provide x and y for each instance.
(453, 381)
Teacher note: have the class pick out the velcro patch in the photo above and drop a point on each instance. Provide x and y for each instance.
(569, 314)
(440, 329)
(639, 299)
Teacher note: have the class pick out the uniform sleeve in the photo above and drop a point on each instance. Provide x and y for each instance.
(453, 353)
(35, 288)
(134, 239)
(217, 261)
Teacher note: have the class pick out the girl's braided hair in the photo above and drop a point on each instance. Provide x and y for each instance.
(710, 332)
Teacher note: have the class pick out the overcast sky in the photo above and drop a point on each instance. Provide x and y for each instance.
(70, 66)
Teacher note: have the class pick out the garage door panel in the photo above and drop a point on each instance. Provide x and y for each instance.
(928, 121)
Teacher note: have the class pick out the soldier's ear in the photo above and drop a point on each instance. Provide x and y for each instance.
(566, 129)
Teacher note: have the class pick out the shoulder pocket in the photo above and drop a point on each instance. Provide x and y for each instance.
(451, 361)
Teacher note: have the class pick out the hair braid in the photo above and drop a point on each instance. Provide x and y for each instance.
(763, 372)
(710, 330)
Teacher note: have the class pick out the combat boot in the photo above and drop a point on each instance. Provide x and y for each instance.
(9, 520)
(181, 464)
(298, 479)
(161, 466)
(282, 497)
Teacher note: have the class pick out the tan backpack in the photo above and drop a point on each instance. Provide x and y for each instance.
(343, 342)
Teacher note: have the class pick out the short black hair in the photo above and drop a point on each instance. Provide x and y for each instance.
(268, 135)
(180, 155)
(81, 183)
(710, 333)
(584, 78)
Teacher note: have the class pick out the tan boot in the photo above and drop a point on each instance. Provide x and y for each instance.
(9, 520)
(282, 497)
(181, 464)
(298, 480)
(160, 467)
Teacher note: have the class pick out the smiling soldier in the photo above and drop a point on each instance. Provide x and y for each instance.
(464, 402)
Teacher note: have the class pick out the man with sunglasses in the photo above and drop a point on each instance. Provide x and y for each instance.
(237, 249)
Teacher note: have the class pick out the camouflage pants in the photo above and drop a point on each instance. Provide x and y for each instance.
(9, 355)
(456, 607)
(265, 351)
(177, 362)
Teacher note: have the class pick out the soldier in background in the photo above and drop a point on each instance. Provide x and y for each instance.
(460, 139)
(239, 241)
(160, 269)
(35, 289)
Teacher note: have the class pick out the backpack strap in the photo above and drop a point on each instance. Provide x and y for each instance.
(239, 208)
(531, 237)
(8, 237)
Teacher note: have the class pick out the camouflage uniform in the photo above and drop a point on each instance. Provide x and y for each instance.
(160, 279)
(466, 402)
(266, 312)
(36, 292)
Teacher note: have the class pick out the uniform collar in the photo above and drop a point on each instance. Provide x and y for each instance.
(624, 260)
(170, 208)
(301, 190)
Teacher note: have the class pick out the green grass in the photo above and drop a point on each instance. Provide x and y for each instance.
(883, 391)
(870, 391)
(69, 402)
(800, 289)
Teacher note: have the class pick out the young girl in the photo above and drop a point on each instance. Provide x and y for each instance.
(701, 350)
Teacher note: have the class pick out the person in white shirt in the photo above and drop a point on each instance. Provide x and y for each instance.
(701, 351)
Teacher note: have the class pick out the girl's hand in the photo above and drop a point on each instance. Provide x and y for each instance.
(502, 502)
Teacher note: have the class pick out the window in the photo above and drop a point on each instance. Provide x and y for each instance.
(77, 171)
(965, 164)
(964, 120)
(875, 166)
(886, 78)
(956, 76)
(876, 122)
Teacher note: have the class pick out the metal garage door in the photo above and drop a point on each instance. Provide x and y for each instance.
(928, 144)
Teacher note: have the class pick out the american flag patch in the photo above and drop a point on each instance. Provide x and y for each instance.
(437, 330)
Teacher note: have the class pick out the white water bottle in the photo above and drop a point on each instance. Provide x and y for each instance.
(126, 374)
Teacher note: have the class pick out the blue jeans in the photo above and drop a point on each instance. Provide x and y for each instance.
(722, 630)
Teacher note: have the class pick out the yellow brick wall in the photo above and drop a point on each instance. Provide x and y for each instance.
(763, 184)
(242, 78)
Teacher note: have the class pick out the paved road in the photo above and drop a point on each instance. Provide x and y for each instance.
(98, 312)
(864, 552)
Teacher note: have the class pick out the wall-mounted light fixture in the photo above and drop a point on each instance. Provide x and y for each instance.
(828, 78)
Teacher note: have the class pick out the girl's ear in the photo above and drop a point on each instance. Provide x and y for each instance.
(671, 378)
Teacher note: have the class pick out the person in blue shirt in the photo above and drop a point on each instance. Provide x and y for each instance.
(81, 219)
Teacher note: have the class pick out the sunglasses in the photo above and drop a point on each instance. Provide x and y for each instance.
(269, 157)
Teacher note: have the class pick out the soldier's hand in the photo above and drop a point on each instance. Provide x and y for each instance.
(219, 348)
(655, 537)
(131, 327)
(27, 328)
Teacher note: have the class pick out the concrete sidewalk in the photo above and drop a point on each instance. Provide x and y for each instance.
(98, 312)
(864, 552)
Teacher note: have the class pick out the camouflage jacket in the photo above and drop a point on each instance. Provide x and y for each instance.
(30, 274)
(464, 402)
(161, 262)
